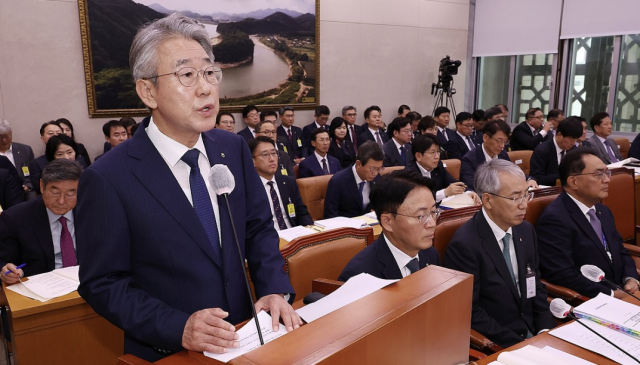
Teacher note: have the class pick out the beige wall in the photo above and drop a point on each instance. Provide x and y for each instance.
(382, 52)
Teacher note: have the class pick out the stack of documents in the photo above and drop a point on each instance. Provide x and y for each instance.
(457, 201)
(295, 232)
(49, 285)
(340, 222)
(630, 163)
(531, 355)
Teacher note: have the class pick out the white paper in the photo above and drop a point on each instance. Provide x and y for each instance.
(355, 288)
(249, 338)
(70, 272)
(22, 290)
(295, 232)
(569, 357)
(458, 201)
(340, 222)
(580, 336)
(531, 355)
(51, 285)
(611, 309)
(621, 163)
(372, 215)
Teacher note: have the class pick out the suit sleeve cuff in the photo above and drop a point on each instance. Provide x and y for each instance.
(440, 195)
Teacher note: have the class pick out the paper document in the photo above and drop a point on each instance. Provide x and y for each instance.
(531, 355)
(49, 285)
(340, 222)
(355, 288)
(295, 232)
(249, 338)
(613, 313)
(623, 162)
(565, 355)
(457, 201)
(370, 218)
(580, 336)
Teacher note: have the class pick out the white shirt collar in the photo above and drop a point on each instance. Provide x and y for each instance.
(265, 181)
(461, 136)
(318, 125)
(603, 140)
(10, 148)
(398, 145)
(355, 174)
(320, 158)
(530, 127)
(497, 231)
(486, 155)
(374, 132)
(54, 217)
(170, 149)
(424, 171)
(583, 208)
(402, 259)
(558, 149)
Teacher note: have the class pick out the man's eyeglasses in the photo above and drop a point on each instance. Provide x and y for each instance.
(600, 174)
(266, 155)
(227, 122)
(268, 133)
(424, 217)
(188, 76)
(537, 117)
(376, 170)
(433, 152)
(351, 114)
(516, 199)
(501, 141)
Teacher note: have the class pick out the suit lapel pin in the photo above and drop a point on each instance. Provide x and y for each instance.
(520, 239)
(222, 155)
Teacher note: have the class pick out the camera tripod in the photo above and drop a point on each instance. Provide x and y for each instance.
(441, 100)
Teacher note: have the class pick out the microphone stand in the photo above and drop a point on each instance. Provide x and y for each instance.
(244, 270)
(622, 289)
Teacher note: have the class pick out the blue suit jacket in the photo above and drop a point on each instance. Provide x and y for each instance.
(470, 163)
(523, 139)
(307, 148)
(442, 139)
(567, 241)
(147, 263)
(498, 311)
(456, 147)
(440, 176)
(311, 167)
(291, 195)
(377, 260)
(544, 163)
(366, 135)
(343, 198)
(246, 134)
(392, 155)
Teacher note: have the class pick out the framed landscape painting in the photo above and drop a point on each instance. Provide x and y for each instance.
(268, 50)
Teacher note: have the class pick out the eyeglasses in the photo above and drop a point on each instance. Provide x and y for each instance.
(433, 152)
(68, 196)
(188, 76)
(467, 125)
(268, 133)
(5, 136)
(376, 170)
(516, 199)
(407, 130)
(600, 174)
(538, 117)
(424, 217)
(501, 141)
(267, 155)
(227, 122)
(352, 114)
(253, 114)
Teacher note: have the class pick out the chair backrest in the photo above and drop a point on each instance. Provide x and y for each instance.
(322, 255)
(541, 199)
(296, 170)
(312, 191)
(621, 201)
(453, 167)
(448, 225)
(522, 159)
(390, 169)
(623, 145)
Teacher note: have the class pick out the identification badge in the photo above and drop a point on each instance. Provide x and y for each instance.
(283, 171)
(291, 209)
(531, 282)
(299, 143)
(25, 171)
(285, 149)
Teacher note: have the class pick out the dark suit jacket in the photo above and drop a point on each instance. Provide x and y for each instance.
(82, 151)
(567, 241)
(344, 153)
(285, 146)
(11, 192)
(634, 151)
(246, 134)
(22, 155)
(25, 237)
(470, 163)
(311, 167)
(544, 163)
(498, 311)
(35, 172)
(307, 148)
(476, 136)
(588, 144)
(440, 176)
(343, 198)
(377, 260)
(291, 195)
(457, 147)
(523, 139)
(147, 263)
(285, 163)
(442, 139)
(602, 151)
(366, 135)
(392, 155)
(295, 150)
(356, 129)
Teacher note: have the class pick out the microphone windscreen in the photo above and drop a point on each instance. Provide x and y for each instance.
(559, 308)
(592, 273)
(221, 179)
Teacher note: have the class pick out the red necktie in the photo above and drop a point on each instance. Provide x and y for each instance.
(290, 136)
(354, 139)
(66, 245)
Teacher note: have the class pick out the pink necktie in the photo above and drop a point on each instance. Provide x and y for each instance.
(66, 245)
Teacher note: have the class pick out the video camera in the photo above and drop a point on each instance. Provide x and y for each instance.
(447, 69)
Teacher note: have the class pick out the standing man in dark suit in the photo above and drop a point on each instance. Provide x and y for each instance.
(461, 143)
(371, 130)
(321, 117)
(397, 150)
(529, 134)
(287, 207)
(349, 114)
(499, 249)
(442, 116)
(404, 205)
(319, 162)
(285, 165)
(348, 190)
(158, 256)
(546, 157)
(605, 146)
(41, 232)
(251, 117)
(19, 154)
(576, 229)
(292, 133)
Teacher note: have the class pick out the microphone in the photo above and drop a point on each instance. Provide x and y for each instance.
(560, 309)
(595, 274)
(223, 183)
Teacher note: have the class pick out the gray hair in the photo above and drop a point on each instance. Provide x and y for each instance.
(5, 126)
(143, 58)
(487, 179)
(347, 108)
(61, 170)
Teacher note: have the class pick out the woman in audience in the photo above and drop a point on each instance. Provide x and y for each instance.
(63, 146)
(338, 147)
(226, 122)
(67, 128)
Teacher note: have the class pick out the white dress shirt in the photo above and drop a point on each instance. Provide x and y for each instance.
(542, 132)
(320, 158)
(440, 193)
(56, 232)
(558, 151)
(9, 154)
(365, 190)
(402, 259)
(486, 155)
(499, 234)
(442, 130)
(267, 189)
(466, 141)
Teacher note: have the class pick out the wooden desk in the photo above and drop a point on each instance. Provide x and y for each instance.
(61, 331)
(377, 230)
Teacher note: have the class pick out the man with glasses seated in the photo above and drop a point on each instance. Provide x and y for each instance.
(251, 117)
(499, 249)
(576, 229)
(225, 121)
(404, 205)
(530, 133)
(349, 189)
(285, 165)
(547, 156)
(495, 135)
(461, 142)
(397, 150)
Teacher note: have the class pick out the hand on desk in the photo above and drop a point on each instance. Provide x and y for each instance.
(207, 331)
(14, 276)
(277, 308)
(631, 286)
(533, 184)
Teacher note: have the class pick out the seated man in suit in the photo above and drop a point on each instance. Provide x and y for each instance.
(576, 229)
(582, 141)
(495, 134)
(415, 118)
(554, 117)
(349, 114)
(605, 146)
(292, 133)
(319, 162)
(19, 154)
(494, 113)
(320, 119)
(407, 213)
(478, 122)
(41, 232)
(426, 150)
(225, 121)
(348, 190)
(251, 117)
(287, 207)
(461, 141)
(442, 116)
(114, 133)
(397, 150)
(47, 130)
(499, 249)
(372, 129)
(285, 165)
(634, 151)
(530, 133)
(546, 157)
